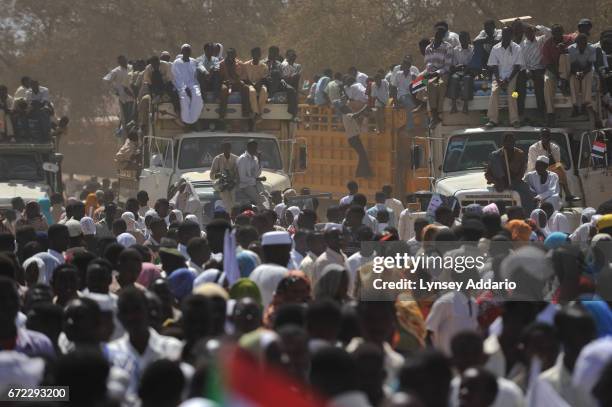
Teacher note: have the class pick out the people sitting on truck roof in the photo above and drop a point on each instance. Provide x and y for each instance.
(157, 83)
(360, 77)
(556, 60)
(379, 96)
(277, 85)
(543, 183)
(320, 97)
(531, 47)
(210, 81)
(292, 71)
(20, 93)
(231, 82)
(505, 61)
(438, 59)
(119, 80)
(506, 168)
(254, 72)
(483, 44)
(185, 70)
(335, 92)
(461, 80)
(401, 92)
(582, 59)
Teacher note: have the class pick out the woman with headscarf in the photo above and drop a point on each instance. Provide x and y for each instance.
(176, 216)
(556, 240)
(294, 288)
(34, 269)
(91, 205)
(33, 217)
(245, 288)
(291, 217)
(132, 227)
(45, 209)
(411, 324)
(520, 231)
(539, 220)
(583, 233)
(333, 284)
(126, 240)
(186, 199)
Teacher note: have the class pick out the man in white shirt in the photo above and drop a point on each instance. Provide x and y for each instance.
(20, 93)
(37, 93)
(401, 79)
(353, 188)
(392, 203)
(249, 174)
(332, 255)
(355, 91)
(582, 59)
(543, 183)
(531, 47)
(119, 79)
(141, 345)
(360, 77)
(461, 82)
(184, 70)
(224, 171)
(557, 221)
(379, 92)
(451, 37)
(506, 61)
(291, 71)
(276, 249)
(315, 243)
(359, 258)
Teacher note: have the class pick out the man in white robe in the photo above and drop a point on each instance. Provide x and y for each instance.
(184, 70)
(543, 183)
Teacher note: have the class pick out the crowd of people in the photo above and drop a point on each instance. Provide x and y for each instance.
(140, 305)
(519, 58)
(28, 115)
(212, 77)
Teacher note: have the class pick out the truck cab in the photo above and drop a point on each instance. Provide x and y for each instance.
(28, 170)
(171, 154)
(467, 153)
(460, 151)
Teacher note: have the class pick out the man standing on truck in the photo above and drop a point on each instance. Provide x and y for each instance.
(184, 70)
(224, 171)
(582, 58)
(506, 168)
(554, 57)
(505, 61)
(438, 59)
(119, 79)
(249, 174)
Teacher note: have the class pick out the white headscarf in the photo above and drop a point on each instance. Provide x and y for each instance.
(126, 240)
(587, 214)
(42, 268)
(130, 221)
(178, 215)
(295, 211)
(87, 226)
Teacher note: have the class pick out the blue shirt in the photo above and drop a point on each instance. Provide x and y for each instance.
(319, 97)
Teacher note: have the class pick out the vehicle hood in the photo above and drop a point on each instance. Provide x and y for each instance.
(26, 190)
(463, 181)
(275, 181)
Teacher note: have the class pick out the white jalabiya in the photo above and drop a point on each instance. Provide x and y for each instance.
(547, 191)
(185, 78)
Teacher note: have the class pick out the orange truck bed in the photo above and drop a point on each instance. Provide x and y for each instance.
(331, 162)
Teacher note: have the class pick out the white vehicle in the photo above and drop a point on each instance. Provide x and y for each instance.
(30, 171)
(460, 151)
(189, 156)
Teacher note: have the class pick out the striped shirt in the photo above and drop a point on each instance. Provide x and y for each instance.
(439, 59)
(462, 56)
(532, 50)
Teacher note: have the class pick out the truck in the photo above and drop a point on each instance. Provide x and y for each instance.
(460, 150)
(30, 170)
(170, 154)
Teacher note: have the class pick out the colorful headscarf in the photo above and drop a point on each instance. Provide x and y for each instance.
(245, 288)
(180, 283)
(130, 221)
(148, 273)
(126, 240)
(491, 208)
(555, 240)
(91, 204)
(519, 230)
(410, 319)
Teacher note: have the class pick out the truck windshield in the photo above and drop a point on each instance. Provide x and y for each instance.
(471, 151)
(20, 167)
(198, 152)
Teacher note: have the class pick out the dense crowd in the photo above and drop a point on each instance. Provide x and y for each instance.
(145, 305)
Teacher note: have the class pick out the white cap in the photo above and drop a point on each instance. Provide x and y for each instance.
(543, 159)
(185, 46)
(273, 238)
(74, 228)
